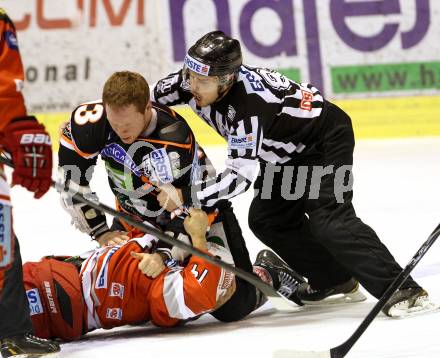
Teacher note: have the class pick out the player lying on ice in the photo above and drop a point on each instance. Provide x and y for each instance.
(69, 297)
(111, 286)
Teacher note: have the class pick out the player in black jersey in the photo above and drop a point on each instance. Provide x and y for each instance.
(144, 145)
(303, 145)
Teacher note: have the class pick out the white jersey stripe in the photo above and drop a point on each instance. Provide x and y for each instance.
(87, 283)
(256, 134)
(241, 187)
(288, 147)
(174, 298)
(224, 183)
(170, 98)
(244, 167)
(271, 157)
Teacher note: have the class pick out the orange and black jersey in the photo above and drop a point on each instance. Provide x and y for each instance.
(165, 153)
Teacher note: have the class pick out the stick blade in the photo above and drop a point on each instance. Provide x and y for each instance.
(290, 353)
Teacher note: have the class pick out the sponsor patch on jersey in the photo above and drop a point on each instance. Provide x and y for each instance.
(5, 235)
(226, 282)
(196, 66)
(101, 281)
(114, 313)
(117, 290)
(241, 141)
(35, 305)
(11, 40)
(306, 101)
(161, 164)
(116, 152)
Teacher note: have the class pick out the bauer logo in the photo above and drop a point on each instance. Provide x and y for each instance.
(114, 313)
(50, 297)
(196, 66)
(241, 142)
(35, 305)
(117, 290)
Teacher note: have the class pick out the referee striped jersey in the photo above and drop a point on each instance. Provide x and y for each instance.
(265, 117)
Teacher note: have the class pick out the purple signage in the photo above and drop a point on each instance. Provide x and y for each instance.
(286, 44)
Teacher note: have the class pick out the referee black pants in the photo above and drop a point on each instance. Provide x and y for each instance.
(244, 300)
(318, 233)
(14, 306)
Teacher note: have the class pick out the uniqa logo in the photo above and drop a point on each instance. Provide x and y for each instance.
(116, 152)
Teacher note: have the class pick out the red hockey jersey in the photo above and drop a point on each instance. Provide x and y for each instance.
(117, 293)
(11, 73)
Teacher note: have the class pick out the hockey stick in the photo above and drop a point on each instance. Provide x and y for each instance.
(280, 302)
(342, 350)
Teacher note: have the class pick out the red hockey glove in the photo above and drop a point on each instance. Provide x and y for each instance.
(31, 150)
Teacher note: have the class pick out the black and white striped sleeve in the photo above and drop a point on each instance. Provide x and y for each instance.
(244, 145)
(169, 90)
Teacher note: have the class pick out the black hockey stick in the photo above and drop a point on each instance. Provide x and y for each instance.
(342, 350)
(279, 301)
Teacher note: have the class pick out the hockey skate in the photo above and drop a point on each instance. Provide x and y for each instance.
(270, 268)
(27, 346)
(407, 302)
(347, 292)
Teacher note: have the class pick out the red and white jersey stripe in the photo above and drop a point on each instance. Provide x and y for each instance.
(116, 292)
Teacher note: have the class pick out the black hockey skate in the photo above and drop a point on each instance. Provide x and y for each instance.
(27, 346)
(407, 302)
(274, 270)
(347, 292)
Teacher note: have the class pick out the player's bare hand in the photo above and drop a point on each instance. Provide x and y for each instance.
(150, 264)
(112, 238)
(196, 222)
(169, 197)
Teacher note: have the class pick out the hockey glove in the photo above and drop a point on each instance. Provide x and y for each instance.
(31, 149)
(85, 218)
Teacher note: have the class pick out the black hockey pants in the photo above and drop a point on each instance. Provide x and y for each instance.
(321, 238)
(14, 306)
(244, 300)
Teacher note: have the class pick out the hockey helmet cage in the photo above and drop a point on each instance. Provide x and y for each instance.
(55, 298)
(214, 54)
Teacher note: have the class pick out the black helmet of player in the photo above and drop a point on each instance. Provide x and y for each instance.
(214, 54)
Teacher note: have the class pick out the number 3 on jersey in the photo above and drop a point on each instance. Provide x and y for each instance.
(89, 112)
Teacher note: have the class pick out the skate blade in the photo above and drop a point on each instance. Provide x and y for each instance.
(402, 311)
(33, 355)
(352, 297)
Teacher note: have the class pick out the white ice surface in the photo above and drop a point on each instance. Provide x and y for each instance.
(396, 192)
